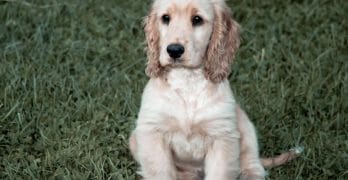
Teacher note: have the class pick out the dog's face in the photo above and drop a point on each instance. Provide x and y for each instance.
(191, 34)
(185, 27)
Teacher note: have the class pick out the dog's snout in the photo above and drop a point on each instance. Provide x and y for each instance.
(175, 50)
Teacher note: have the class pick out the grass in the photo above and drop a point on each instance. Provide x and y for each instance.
(72, 73)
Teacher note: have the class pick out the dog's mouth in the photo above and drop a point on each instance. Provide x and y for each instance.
(176, 61)
(181, 63)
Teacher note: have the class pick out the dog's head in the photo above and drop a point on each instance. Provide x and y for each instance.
(191, 34)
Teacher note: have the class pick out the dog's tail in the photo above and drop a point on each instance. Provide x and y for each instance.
(282, 158)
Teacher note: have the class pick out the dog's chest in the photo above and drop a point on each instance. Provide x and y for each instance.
(189, 148)
(189, 135)
(188, 141)
(188, 91)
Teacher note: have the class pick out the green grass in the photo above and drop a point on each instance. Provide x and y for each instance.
(72, 73)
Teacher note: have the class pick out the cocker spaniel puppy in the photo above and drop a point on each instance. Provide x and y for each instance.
(189, 125)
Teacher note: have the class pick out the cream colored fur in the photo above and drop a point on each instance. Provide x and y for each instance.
(189, 125)
(188, 122)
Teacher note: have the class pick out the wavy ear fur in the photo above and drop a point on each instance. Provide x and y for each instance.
(154, 68)
(223, 45)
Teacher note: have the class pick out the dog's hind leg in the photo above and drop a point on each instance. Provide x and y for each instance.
(251, 166)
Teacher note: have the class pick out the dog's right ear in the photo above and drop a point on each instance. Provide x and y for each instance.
(154, 68)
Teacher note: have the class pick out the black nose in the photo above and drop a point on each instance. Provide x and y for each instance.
(175, 50)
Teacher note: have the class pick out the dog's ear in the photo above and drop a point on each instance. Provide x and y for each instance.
(223, 45)
(154, 68)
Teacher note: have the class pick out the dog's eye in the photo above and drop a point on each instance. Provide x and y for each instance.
(197, 20)
(165, 19)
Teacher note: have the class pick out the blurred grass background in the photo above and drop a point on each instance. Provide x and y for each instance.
(72, 73)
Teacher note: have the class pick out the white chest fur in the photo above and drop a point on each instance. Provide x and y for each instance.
(189, 142)
(190, 86)
(189, 111)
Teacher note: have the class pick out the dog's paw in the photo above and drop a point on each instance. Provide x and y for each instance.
(251, 177)
(252, 174)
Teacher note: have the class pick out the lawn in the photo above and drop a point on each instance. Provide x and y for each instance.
(72, 74)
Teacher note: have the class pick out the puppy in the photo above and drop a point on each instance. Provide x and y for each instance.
(189, 125)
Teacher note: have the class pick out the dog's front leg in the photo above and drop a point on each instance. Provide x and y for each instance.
(222, 160)
(154, 156)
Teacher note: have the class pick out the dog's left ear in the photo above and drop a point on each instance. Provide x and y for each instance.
(224, 42)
